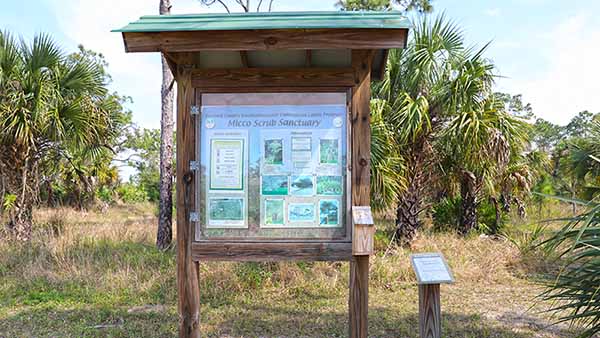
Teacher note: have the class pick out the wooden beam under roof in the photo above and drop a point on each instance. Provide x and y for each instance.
(273, 77)
(378, 66)
(188, 41)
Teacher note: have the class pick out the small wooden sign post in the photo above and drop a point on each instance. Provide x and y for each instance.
(431, 270)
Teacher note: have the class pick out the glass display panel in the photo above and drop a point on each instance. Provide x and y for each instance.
(273, 166)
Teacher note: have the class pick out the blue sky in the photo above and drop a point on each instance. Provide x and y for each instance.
(546, 50)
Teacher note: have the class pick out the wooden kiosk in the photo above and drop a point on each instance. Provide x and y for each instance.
(273, 139)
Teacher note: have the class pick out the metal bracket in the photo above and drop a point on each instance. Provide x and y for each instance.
(195, 165)
(195, 110)
(194, 217)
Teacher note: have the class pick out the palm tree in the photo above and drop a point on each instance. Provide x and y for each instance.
(574, 290)
(513, 185)
(583, 161)
(426, 85)
(576, 167)
(479, 144)
(49, 102)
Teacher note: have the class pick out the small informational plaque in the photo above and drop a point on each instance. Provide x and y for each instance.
(431, 268)
(362, 215)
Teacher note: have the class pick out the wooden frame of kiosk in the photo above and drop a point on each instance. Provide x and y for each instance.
(273, 139)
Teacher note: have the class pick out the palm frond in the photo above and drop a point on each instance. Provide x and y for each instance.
(42, 54)
(387, 166)
(412, 118)
(575, 290)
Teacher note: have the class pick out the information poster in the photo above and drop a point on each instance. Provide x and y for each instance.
(225, 182)
(274, 167)
(227, 165)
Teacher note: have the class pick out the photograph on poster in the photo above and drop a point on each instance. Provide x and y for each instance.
(224, 210)
(274, 212)
(301, 212)
(329, 185)
(302, 185)
(274, 185)
(273, 151)
(227, 164)
(328, 151)
(329, 212)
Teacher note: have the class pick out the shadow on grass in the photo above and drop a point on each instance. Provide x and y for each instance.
(38, 276)
(281, 321)
(47, 321)
(252, 321)
(60, 306)
(146, 276)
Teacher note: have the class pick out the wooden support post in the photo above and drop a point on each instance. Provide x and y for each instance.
(361, 158)
(359, 296)
(430, 314)
(188, 292)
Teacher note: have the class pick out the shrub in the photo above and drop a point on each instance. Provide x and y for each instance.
(446, 215)
(486, 218)
(130, 193)
(148, 179)
(105, 194)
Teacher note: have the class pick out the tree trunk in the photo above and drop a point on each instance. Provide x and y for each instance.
(505, 200)
(407, 213)
(17, 181)
(498, 211)
(468, 217)
(50, 192)
(410, 202)
(21, 221)
(165, 205)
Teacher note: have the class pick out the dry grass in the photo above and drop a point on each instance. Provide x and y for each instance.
(98, 274)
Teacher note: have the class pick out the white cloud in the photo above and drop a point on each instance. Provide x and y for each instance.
(493, 12)
(569, 82)
(137, 75)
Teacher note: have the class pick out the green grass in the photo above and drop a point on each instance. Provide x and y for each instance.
(100, 276)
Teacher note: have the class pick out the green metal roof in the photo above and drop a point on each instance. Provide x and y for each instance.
(267, 20)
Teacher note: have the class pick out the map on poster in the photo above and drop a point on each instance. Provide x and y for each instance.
(281, 166)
